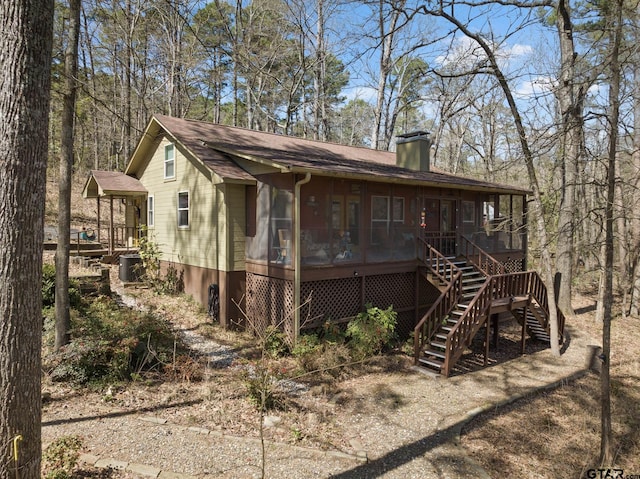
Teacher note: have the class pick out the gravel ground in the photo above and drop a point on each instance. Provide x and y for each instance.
(404, 422)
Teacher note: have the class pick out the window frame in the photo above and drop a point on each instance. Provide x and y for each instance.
(151, 211)
(379, 222)
(170, 161)
(398, 203)
(183, 209)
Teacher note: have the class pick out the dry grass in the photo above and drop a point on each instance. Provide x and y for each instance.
(551, 435)
(557, 434)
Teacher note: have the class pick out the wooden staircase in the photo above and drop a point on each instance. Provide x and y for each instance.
(534, 318)
(472, 290)
(434, 355)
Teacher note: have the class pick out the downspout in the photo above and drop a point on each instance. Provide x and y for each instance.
(296, 247)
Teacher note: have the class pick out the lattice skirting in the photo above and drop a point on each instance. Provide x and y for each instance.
(513, 265)
(270, 300)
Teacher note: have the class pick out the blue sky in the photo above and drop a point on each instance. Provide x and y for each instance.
(524, 37)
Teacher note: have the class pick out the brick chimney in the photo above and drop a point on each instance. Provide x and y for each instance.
(412, 150)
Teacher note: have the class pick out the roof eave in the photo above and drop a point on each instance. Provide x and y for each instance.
(407, 181)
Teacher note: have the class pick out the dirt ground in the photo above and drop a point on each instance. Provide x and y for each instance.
(555, 434)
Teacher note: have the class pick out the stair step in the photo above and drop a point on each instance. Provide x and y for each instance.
(471, 287)
(438, 344)
(434, 352)
(432, 363)
(441, 336)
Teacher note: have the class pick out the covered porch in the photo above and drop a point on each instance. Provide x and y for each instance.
(117, 189)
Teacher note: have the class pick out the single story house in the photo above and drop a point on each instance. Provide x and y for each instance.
(295, 232)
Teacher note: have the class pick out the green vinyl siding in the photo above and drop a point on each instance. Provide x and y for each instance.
(209, 241)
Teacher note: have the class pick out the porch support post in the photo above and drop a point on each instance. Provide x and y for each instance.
(111, 225)
(297, 273)
(523, 338)
(494, 320)
(486, 339)
(98, 205)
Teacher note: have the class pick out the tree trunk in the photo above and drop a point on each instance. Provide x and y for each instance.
(25, 63)
(570, 99)
(63, 318)
(606, 433)
(634, 300)
(547, 273)
(387, 41)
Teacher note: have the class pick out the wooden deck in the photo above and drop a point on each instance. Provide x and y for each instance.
(502, 305)
(93, 249)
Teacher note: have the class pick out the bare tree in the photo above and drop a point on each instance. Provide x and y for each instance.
(606, 295)
(25, 66)
(493, 67)
(570, 96)
(63, 318)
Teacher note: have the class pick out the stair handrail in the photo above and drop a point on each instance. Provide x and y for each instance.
(449, 297)
(495, 287)
(467, 325)
(480, 258)
(538, 291)
(477, 312)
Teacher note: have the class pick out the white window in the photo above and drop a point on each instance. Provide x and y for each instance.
(150, 210)
(183, 209)
(169, 162)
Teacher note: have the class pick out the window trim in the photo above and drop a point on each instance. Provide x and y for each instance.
(179, 209)
(151, 211)
(400, 200)
(168, 161)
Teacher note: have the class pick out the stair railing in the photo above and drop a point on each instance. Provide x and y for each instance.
(477, 313)
(451, 275)
(474, 316)
(480, 258)
(538, 291)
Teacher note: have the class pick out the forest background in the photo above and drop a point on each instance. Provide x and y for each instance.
(563, 110)
(360, 72)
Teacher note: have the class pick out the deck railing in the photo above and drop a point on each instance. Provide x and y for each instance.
(526, 283)
(123, 237)
(443, 242)
(451, 277)
(480, 258)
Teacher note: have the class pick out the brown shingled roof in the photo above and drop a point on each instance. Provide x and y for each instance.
(215, 145)
(105, 183)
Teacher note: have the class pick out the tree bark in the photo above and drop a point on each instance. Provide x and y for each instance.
(570, 99)
(63, 318)
(547, 273)
(606, 433)
(25, 66)
(634, 300)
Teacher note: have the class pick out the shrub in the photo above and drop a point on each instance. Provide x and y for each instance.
(110, 343)
(49, 288)
(173, 281)
(150, 254)
(370, 331)
(61, 457)
(333, 333)
(275, 342)
(262, 387)
(330, 359)
(306, 344)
